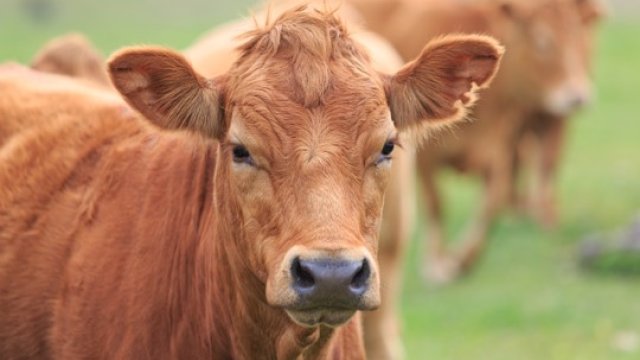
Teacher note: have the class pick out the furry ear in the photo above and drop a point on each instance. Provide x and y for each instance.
(441, 84)
(163, 86)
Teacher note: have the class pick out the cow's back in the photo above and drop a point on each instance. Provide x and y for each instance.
(87, 192)
(41, 98)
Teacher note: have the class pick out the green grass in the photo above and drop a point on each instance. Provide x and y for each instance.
(527, 299)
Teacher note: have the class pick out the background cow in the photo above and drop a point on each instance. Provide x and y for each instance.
(545, 72)
(147, 244)
(72, 55)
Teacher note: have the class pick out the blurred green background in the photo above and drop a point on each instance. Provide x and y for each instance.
(528, 298)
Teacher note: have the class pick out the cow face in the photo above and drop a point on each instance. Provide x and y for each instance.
(552, 41)
(307, 132)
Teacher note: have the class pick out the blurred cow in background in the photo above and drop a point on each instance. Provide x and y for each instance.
(543, 133)
(544, 79)
(75, 56)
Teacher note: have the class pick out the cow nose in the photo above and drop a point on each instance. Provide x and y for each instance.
(329, 282)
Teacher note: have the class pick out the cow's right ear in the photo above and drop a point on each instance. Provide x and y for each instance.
(441, 85)
(163, 86)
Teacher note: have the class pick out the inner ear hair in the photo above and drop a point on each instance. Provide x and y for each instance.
(441, 84)
(163, 86)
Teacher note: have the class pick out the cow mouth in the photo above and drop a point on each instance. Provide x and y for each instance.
(321, 316)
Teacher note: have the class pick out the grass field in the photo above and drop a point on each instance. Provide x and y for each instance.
(528, 299)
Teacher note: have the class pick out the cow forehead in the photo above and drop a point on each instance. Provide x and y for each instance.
(559, 14)
(553, 22)
(304, 54)
(340, 126)
(302, 86)
(313, 83)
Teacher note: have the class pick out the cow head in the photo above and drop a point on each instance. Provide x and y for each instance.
(307, 130)
(552, 40)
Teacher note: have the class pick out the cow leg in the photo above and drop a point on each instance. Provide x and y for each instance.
(524, 154)
(439, 267)
(543, 194)
(495, 194)
(515, 196)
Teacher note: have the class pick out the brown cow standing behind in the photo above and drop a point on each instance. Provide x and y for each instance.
(544, 130)
(119, 240)
(545, 71)
(72, 55)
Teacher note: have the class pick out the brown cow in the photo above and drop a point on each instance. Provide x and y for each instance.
(544, 70)
(215, 52)
(255, 240)
(213, 55)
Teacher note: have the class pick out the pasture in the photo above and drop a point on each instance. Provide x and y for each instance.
(528, 299)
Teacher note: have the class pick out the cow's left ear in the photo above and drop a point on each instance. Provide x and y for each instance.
(163, 86)
(441, 84)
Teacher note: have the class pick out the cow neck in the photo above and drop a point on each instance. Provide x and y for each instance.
(245, 326)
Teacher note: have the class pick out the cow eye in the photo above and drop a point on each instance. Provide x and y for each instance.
(387, 149)
(385, 153)
(241, 155)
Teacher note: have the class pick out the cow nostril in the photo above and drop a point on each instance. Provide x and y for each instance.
(361, 277)
(302, 277)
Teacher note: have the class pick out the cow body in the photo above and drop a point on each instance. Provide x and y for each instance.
(114, 197)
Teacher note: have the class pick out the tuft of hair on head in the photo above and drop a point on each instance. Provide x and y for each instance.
(308, 39)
